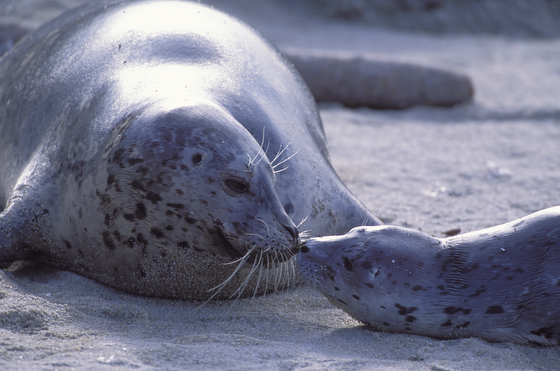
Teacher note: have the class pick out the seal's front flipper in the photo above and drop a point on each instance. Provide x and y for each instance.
(12, 245)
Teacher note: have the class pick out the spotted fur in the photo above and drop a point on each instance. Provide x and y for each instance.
(499, 284)
(163, 148)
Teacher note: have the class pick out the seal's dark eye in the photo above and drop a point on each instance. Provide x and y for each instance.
(197, 157)
(236, 186)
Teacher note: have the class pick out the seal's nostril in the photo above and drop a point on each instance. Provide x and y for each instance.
(304, 248)
(292, 230)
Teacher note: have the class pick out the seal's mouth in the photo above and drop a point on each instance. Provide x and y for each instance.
(237, 250)
(230, 248)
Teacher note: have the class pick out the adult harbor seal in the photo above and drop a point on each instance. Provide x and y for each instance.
(146, 144)
(499, 284)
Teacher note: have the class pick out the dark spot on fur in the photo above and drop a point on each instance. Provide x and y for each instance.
(117, 157)
(404, 310)
(495, 309)
(136, 184)
(176, 206)
(463, 325)
(410, 319)
(117, 235)
(447, 324)
(107, 219)
(356, 297)
(336, 288)
(169, 227)
(156, 232)
(197, 157)
(179, 192)
(342, 301)
(104, 199)
(347, 264)
(518, 270)
(331, 273)
(143, 170)
(68, 244)
(369, 285)
(184, 245)
(453, 310)
(140, 211)
(134, 161)
(190, 220)
(107, 240)
(477, 293)
(510, 278)
(131, 242)
(545, 331)
(129, 217)
(417, 288)
(110, 179)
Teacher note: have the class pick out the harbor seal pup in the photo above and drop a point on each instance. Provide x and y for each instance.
(499, 284)
(163, 148)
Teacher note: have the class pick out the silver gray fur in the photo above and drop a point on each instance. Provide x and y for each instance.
(147, 143)
(499, 284)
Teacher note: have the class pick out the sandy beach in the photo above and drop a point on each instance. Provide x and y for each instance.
(472, 166)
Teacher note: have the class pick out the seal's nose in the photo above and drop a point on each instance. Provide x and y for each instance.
(292, 230)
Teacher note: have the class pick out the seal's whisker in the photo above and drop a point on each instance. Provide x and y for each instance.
(221, 286)
(255, 234)
(267, 229)
(277, 277)
(303, 221)
(262, 141)
(241, 261)
(283, 161)
(244, 257)
(245, 282)
(267, 273)
(304, 234)
(366, 221)
(259, 277)
(282, 150)
(281, 170)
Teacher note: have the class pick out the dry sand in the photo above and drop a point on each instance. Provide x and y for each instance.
(433, 169)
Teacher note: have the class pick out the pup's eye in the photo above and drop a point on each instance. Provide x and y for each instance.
(236, 186)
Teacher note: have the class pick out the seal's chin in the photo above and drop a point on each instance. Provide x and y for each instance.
(257, 249)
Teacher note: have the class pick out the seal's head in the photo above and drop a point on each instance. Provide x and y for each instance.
(369, 268)
(192, 177)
